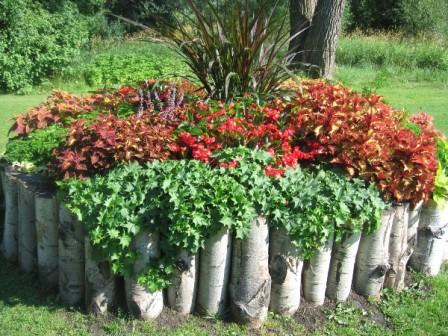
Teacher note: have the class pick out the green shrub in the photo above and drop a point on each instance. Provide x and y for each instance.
(35, 43)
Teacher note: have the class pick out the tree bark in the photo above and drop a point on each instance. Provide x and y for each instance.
(372, 261)
(10, 192)
(398, 248)
(214, 275)
(71, 258)
(26, 230)
(432, 235)
(318, 54)
(47, 237)
(315, 274)
(300, 16)
(285, 266)
(342, 266)
(183, 289)
(250, 284)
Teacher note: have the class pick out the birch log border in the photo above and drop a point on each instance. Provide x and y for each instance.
(285, 267)
(433, 229)
(99, 284)
(315, 274)
(9, 244)
(372, 261)
(214, 273)
(71, 258)
(250, 284)
(398, 248)
(182, 291)
(26, 229)
(140, 302)
(47, 225)
(342, 266)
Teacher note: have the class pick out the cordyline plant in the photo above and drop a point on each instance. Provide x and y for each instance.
(233, 50)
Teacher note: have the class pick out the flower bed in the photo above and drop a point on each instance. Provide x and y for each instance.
(206, 199)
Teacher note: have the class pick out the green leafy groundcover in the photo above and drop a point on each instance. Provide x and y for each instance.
(186, 201)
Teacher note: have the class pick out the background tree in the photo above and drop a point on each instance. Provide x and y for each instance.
(315, 47)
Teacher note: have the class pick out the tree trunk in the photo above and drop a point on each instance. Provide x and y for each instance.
(47, 237)
(342, 266)
(285, 266)
(10, 192)
(250, 284)
(319, 50)
(214, 270)
(315, 274)
(432, 232)
(100, 283)
(300, 16)
(71, 258)
(142, 303)
(182, 291)
(26, 230)
(372, 259)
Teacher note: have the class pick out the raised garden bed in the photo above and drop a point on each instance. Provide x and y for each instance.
(223, 208)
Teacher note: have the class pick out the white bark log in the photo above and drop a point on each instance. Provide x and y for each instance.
(342, 266)
(433, 228)
(10, 192)
(26, 230)
(183, 289)
(215, 260)
(315, 274)
(285, 266)
(100, 283)
(372, 259)
(142, 303)
(414, 220)
(47, 222)
(71, 258)
(250, 284)
(398, 248)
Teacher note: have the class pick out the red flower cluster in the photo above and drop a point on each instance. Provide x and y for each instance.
(211, 127)
(368, 139)
(109, 141)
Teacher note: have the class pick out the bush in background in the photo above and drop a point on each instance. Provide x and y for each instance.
(35, 43)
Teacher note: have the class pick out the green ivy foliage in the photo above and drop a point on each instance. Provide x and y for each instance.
(187, 201)
(33, 152)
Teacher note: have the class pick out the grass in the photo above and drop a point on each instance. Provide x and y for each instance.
(27, 309)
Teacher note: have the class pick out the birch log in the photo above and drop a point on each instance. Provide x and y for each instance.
(372, 259)
(71, 258)
(414, 220)
(431, 239)
(142, 303)
(398, 248)
(315, 274)
(26, 229)
(285, 267)
(214, 272)
(250, 284)
(47, 222)
(342, 266)
(99, 283)
(10, 192)
(183, 289)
